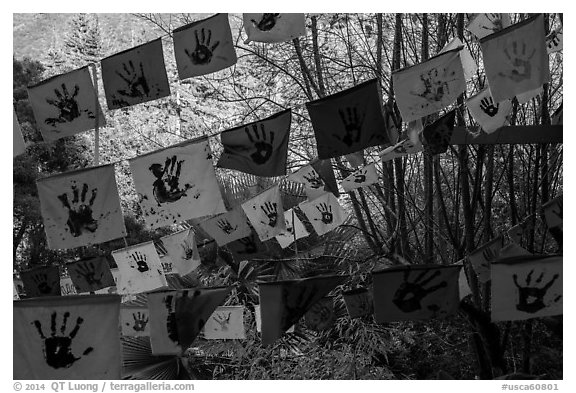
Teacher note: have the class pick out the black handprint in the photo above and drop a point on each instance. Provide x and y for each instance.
(140, 260)
(223, 321)
(171, 322)
(202, 54)
(497, 23)
(553, 41)
(520, 62)
(314, 180)
(67, 106)
(57, 349)
(263, 147)
(487, 105)
(352, 125)
(326, 213)
(360, 176)
(531, 298)
(41, 281)
(226, 227)
(87, 270)
(436, 84)
(271, 211)
(137, 83)
(79, 213)
(409, 295)
(140, 321)
(267, 22)
(166, 187)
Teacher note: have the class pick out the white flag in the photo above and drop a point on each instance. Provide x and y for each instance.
(266, 213)
(140, 269)
(225, 323)
(177, 183)
(182, 250)
(468, 63)
(485, 24)
(134, 321)
(273, 27)
(294, 228)
(554, 41)
(490, 115)
(361, 177)
(400, 149)
(18, 145)
(482, 258)
(314, 185)
(527, 96)
(227, 227)
(324, 213)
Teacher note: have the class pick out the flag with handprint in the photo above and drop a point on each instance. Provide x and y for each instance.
(358, 302)
(515, 59)
(482, 25)
(65, 105)
(266, 213)
(248, 248)
(67, 287)
(67, 338)
(41, 281)
(81, 208)
(90, 274)
(314, 185)
(134, 321)
(140, 269)
(415, 292)
(526, 287)
(428, 87)
(482, 258)
(259, 148)
(400, 149)
(438, 134)
(295, 229)
(135, 75)
(225, 323)
(227, 227)
(326, 172)
(18, 144)
(469, 65)
(182, 250)
(204, 46)
(177, 183)
(361, 177)
(324, 213)
(349, 121)
(271, 27)
(321, 315)
(490, 115)
(554, 41)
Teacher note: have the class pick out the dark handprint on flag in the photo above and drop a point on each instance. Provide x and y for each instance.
(263, 147)
(79, 210)
(140, 321)
(87, 271)
(326, 213)
(409, 295)
(166, 187)
(496, 23)
(271, 211)
(223, 321)
(519, 60)
(314, 180)
(530, 297)
(137, 85)
(225, 226)
(171, 323)
(202, 53)
(140, 261)
(41, 281)
(58, 349)
(436, 84)
(487, 106)
(360, 176)
(267, 22)
(352, 126)
(553, 41)
(67, 106)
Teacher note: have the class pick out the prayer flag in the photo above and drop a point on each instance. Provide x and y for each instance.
(526, 97)
(490, 115)
(41, 281)
(67, 287)
(247, 248)
(273, 27)
(90, 274)
(358, 302)
(134, 321)
(554, 41)
(204, 46)
(182, 251)
(321, 315)
(65, 105)
(324, 213)
(258, 318)
(485, 24)
(140, 269)
(437, 134)
(349, 121)
(361, 177)
(294, 229)
(469, 65)
(135, 75)
(225, 323)
(400, 149)
(259, 148)
(18, 145)
(314, 185)
(177, 183)
(326, 172)
(483, 256)
(266, 213)
(81, 208)
(227, 227)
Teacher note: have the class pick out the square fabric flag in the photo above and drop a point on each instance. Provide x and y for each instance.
(227, 227)
(490, 115)
(140, 269)
(273, 27)
(438, 134)
(358, 302)
(526, 287)
(177, 183)
(225, 323)
(324, 213)
(554, 41)
(259, 148)
(182, 250)
(409, 293)
(65, 105)
(67, 287)
(204, 47)
(266, 213)
(81, 208)
(483, 256)
(428, 87)
(321, 315)
(41, 281)
(18, 145)
(71, 337)
(400, 149)
(162, 323)
(134, 321)
(135, 75)
(294, 229)
(248, 248)
(314, 185)
(515, 59)
(485, 24)
(553, 212)
(469, 65)
(90, 274)
(361, 177)
(349, 121)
